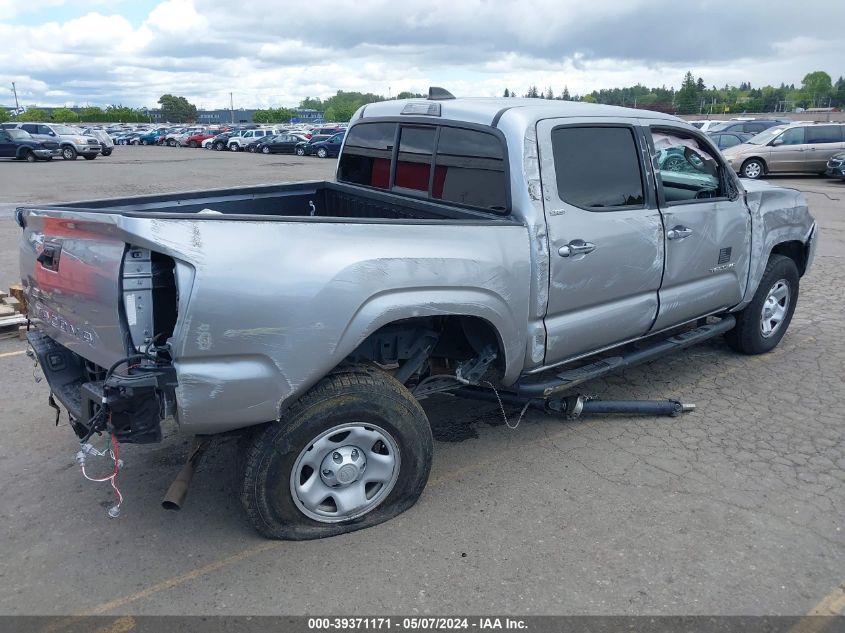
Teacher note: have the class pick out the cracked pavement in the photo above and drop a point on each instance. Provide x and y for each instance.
(736, 508)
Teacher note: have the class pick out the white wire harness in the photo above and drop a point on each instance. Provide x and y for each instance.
(113, 453)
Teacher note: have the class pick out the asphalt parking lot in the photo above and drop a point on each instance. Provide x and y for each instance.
(737, 508)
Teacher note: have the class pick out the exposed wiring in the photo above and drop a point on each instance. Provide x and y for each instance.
(502, 408)
(114, 453)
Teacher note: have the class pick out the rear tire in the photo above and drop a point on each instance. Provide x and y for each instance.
(265, 150)
(300, 151)
(358, 411)
(761, 325)
(322, 153)
(219, 146)
(192, 144)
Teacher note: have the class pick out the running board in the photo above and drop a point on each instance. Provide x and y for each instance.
(565, 380)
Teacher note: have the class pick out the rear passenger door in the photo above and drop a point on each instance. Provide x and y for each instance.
(604, 231)
(823, 141)
(708, 227)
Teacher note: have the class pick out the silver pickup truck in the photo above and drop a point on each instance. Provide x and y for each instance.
(466, 244)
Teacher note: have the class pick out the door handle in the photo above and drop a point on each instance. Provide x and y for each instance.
(576, 247)
(678, 233)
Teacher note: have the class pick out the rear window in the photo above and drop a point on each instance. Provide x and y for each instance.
(470, 169)
(597, 168)
(451, 164)
(366, 156)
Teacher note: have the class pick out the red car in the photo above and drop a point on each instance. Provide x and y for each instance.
(196, 139)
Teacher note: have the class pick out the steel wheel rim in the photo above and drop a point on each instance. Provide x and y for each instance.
(67, 153)
(345, 472)
(752, 169)
(775, 308)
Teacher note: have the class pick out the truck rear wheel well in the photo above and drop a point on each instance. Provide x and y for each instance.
(411, 348)
(795, 251)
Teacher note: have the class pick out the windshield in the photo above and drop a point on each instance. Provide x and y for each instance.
(19, 135)
(765, 136)
(64, 130)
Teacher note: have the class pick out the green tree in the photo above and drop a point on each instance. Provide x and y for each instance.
(312, 104)
(817, 87)
(4, 115)
(177, 109)
(33, 114)
(532, 93)
(64, 115)
(92, 114)
(687, 98)
(507, 93)
(565, 96)
(410, 95)
(549, 93)
(274, 115)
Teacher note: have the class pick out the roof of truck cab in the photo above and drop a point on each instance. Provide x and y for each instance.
(486, 111)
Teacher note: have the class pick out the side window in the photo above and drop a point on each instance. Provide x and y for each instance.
(413, 165)
(792, 136)
(470, 169)
(598, 168)
(366, 156)
(687, 169)
(30, 127)
(754, 128)
(824, 134)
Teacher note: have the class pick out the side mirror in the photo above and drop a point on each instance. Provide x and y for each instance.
(776, 142)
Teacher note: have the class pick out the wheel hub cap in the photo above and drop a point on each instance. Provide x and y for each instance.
(775, 308)
(343, 466)
(345, 472)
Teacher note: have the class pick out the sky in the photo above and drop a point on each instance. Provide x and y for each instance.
(270, 54)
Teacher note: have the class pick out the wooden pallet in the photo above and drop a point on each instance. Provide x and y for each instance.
(13, 313)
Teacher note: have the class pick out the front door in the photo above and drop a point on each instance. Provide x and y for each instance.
(604, 231)
(7, 147)
(708, 227)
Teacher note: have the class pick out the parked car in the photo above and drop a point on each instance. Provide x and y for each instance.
(152, 137)
(279, 144)
(799, 147)
(20, 145)
(836, 166)
(219, 142)
(706, 125)
(748, 126)
(195, 140)
(449, 259)
(328, 148)
(71, 140)
(106, 143)
(724, 140)
(303, 148)
(240, 141)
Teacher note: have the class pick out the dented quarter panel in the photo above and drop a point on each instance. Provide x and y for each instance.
(778, 215)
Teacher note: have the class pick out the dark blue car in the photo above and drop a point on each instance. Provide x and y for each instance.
(327, 148)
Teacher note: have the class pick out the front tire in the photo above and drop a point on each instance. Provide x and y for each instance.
(353, 452)
(761, 325)
(322, 153)
(265, 150)
(29, 156)
(300, 151)
(219, 146)
(69, 153)
(753, 169)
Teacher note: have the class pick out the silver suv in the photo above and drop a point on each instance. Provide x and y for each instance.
(72, 141)
(800, 147)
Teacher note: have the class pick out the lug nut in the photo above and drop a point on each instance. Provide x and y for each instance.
(354, 453)
(337, 458)
(327, 472)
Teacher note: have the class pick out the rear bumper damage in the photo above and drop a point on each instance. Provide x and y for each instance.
(130, 404)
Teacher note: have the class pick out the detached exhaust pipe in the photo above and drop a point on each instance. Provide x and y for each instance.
(175, 497)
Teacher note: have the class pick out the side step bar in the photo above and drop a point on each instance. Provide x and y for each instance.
(565, 380)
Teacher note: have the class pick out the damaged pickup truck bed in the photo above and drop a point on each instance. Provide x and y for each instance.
(466, 243)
